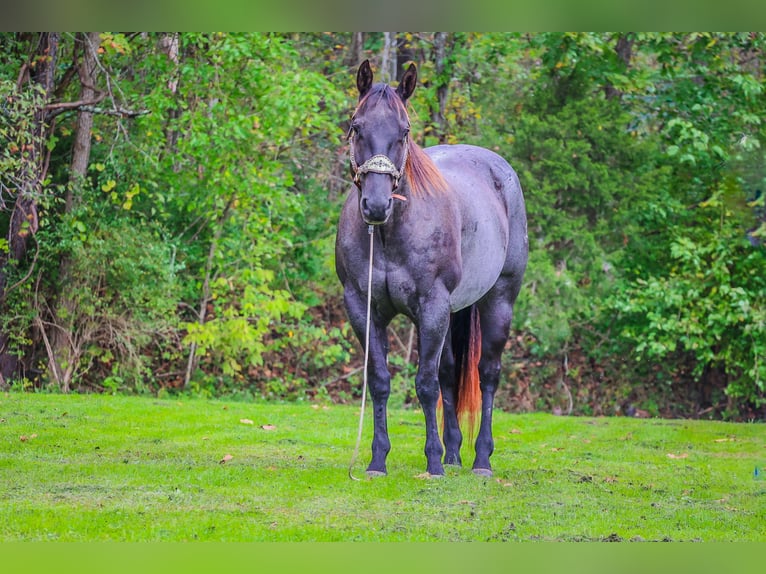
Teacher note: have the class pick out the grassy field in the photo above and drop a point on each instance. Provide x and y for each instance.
(91, 468)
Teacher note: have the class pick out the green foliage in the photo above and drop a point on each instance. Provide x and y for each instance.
(239, 211)
(551, 323)
(19, 138)
(708, 304)
(243, 314)
(640, 155)
(582, 170)
(118, 311)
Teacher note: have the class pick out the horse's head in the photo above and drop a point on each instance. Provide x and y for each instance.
(379, 142)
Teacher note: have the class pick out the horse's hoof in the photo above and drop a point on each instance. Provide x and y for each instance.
(482, 472)
(375, 473)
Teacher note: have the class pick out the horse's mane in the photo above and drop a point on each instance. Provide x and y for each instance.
(423, 177)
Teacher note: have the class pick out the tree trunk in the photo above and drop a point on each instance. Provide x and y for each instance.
(442, 45)
(169, 45)
(88, 71)
(61, 346)
(405, 53)
(23, 220)
(624, 51)
(388, 63)
(356, 50)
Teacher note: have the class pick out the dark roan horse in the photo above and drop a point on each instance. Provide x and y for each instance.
(450, 250)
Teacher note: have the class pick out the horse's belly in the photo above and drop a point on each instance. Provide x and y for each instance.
(483, 257)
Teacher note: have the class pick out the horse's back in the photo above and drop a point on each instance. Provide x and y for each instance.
(494, 224)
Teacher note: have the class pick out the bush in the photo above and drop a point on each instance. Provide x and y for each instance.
(115, 314)
(706, 303)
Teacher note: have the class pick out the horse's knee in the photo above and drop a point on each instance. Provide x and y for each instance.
(427, 389)
(380, 387)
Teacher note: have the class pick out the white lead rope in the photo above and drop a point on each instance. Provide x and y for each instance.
(370, 229)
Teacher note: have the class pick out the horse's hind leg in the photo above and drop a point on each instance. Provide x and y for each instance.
(496, 312)
(451, 435)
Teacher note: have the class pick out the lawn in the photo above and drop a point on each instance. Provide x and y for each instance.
(98, 467)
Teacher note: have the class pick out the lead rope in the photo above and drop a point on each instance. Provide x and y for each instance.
(370, 229)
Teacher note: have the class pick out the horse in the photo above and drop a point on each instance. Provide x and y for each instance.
(450, 245)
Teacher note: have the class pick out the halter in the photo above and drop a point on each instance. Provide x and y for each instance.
(379, 163)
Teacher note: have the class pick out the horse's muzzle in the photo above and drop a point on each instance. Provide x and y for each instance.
(376, 209)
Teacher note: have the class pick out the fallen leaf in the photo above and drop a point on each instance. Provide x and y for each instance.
(268, 427)
(682, 455)
(226, 458)
(556, 449)
(246, 422)
(515, 431)
(610, 479)
(23, 438)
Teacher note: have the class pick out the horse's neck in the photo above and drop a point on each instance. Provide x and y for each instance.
(411, 219)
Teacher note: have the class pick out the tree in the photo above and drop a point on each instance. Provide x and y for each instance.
(27, 171)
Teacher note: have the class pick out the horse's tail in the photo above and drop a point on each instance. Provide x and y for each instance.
(466, 346)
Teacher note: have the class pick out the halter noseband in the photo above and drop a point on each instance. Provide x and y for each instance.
(379, 163)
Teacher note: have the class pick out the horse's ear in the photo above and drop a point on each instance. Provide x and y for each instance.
(364, 78)
(407, 84)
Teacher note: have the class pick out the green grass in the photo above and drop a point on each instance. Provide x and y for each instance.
(140, 469)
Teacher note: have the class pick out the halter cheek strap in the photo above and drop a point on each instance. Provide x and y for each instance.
(379, 163)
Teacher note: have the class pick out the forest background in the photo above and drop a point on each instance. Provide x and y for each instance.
(168, 204)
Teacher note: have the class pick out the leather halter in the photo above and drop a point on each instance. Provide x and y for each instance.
(378, 163)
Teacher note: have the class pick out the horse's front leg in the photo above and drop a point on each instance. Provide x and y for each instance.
(378, 377)
(379, 385)
(433, 323)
